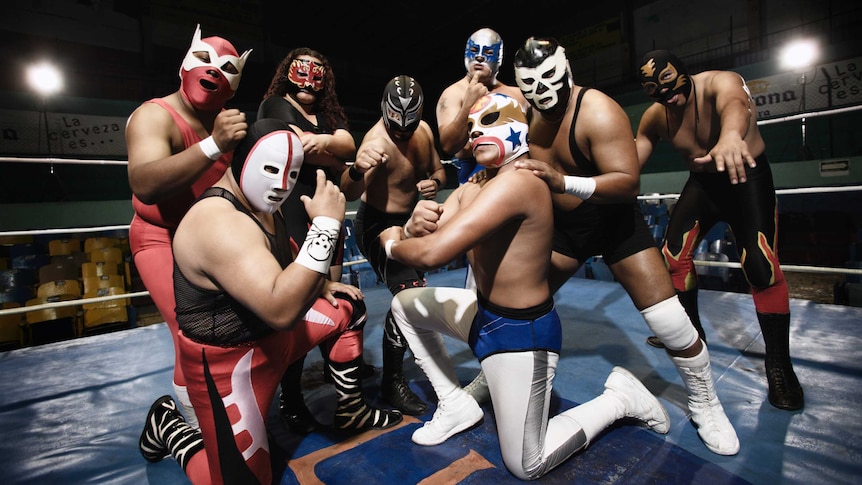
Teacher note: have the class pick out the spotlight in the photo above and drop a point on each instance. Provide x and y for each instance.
(799, 54)
(45, 78)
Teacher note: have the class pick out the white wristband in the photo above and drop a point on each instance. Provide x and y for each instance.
(210, 149)
(582, 187)
(319, 246)
(388, 248)
(407, 235)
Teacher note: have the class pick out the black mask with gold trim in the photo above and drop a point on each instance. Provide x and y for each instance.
(663, 75)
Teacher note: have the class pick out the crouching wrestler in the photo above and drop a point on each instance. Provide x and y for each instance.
(247, 309)
(509, 321)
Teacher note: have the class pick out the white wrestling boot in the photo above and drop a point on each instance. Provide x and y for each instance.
(638, 401)
(457, 413)
(707, 413)
(456, 410)
(478, 388)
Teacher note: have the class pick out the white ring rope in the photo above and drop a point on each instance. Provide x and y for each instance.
(75, 302)
(64, 161)
(96, 229)
(812, 114)
(785, 267)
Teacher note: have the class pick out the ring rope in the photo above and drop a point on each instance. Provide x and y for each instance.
(75, 302)
(125, 227)
(812, 114)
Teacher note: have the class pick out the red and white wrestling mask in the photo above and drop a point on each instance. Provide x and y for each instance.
(210, 72)
(306, 74)
(497, 120)
(266, 164)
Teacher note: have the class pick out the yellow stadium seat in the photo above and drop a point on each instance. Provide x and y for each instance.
(11, 328)
(62, 247)
(98, 242)
(105, 315)
(93, 283)
(99, 268)
(112, 254)
(52, 324)
(59, 271)
(60, 287)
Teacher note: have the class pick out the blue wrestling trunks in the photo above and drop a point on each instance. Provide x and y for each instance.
(497, 329)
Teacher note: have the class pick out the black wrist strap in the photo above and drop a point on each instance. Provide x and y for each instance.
(354, 174)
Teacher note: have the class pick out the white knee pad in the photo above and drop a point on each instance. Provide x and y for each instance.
(669, 322)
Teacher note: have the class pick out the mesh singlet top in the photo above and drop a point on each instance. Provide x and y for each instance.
(214, 317)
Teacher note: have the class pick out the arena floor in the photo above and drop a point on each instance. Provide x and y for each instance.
(72, 412)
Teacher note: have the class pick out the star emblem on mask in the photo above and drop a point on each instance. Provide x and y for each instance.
(514, 138)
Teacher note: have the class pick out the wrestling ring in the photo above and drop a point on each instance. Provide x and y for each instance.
(71, 411)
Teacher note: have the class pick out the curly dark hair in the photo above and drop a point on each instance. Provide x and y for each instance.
(327, 104)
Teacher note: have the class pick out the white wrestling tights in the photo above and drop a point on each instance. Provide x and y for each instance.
(520, 383)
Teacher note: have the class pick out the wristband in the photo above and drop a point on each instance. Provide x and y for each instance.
(355, 175)
(437, 181)
(406, 233)
(582, 187)
(210, 149)
(319, 246)
(388, 248)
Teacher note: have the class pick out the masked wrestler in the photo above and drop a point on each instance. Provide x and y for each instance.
(396, 164)
(711, 120)
(511, 323)
(178, 146)
(247, 309)
(592, 169)
(302, 94)
(483, 56)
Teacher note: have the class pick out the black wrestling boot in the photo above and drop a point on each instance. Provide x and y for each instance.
(291, 404)
(393, 385)
(688, 299)
(366, 371)
(358, 317)
(167, 433)
(785, 392)
(353, 414)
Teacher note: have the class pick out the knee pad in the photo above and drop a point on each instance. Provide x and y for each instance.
(669, 322)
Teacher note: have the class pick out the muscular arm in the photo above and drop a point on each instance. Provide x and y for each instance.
(159, 166)
(613, 150)
(452, 110)
(604, 135)
(371, 153)
(218, 247)
(733, 106)
(648, 134)
(462, 228)
(430, 187)
(328, 150)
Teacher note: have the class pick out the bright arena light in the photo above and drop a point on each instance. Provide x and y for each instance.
(799, 54)
(45, 78)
